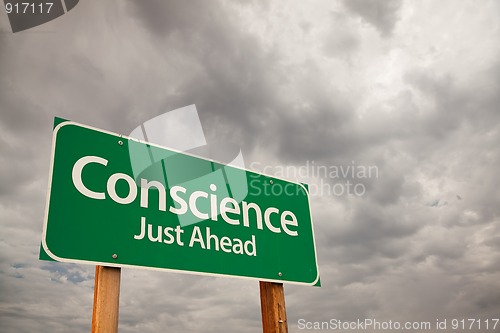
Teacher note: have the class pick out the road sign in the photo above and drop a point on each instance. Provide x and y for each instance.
(118, 201)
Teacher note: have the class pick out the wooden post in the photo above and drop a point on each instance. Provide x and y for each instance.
(106, 299)
(272, 303)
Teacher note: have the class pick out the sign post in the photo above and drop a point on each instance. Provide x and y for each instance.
(106, 299)
(272, 305)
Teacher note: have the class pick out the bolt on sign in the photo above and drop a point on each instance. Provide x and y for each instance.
(118, 201)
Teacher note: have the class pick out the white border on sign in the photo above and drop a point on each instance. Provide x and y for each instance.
(87, 262)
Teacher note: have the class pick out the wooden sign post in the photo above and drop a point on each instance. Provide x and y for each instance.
(106, 299)
(272, 303)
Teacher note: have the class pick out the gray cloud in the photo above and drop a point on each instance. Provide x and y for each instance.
(342, 40)
(383, 15)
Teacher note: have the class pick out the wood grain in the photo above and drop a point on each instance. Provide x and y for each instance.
(106, 299)
(272, 302)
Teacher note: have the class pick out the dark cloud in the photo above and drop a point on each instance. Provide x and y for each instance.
(164, 18)
(342, 40)
(227, 76)
(383, 15)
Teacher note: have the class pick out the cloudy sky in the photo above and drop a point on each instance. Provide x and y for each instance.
(409, 87)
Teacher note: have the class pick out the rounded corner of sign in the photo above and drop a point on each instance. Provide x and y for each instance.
(64, 123)
(305, 188)
(316, 282)
(48, 252)
(61, 125)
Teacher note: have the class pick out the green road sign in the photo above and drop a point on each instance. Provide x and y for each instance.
(117, 201)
